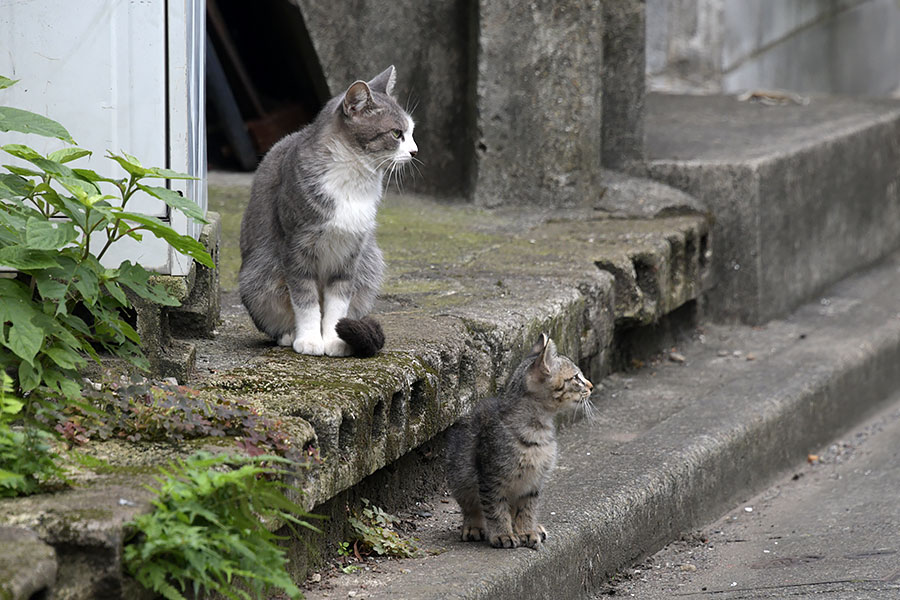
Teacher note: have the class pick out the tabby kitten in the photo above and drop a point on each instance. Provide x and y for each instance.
(310, 267)
(500, 456)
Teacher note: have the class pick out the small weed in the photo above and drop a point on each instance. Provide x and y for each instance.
(375, 531)
(209, 525)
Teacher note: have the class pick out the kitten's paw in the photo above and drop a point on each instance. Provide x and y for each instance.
(309, 345)
(505, 540)
(337, 347)
(533, 539)
(472, 534)
(286, 340)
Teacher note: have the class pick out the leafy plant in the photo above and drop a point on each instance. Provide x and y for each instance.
(56, 224)
(208, 528)
(26, 457)
(375, 531)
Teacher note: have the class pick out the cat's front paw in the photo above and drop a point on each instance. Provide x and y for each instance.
(472, 534)
(309, 344)
(505, 540)
(533, 539)
(337, 347)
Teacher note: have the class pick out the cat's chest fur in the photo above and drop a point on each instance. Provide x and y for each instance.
(535, 458)
(354, 190)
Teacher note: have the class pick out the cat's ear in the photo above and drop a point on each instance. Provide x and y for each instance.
(546, 354)
(384, 81)
(356, 98)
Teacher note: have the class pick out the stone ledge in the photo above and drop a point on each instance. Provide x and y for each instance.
(801, 195)
(467, 291)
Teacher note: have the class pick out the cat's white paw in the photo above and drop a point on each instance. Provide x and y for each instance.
(310, 344)
(286, 340)
(337, 347)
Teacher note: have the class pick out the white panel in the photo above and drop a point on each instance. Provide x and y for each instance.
(123, 75)
(97, 67)
(187, 99)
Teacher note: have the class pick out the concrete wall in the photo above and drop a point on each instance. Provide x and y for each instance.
(814, 46)
(428, 42)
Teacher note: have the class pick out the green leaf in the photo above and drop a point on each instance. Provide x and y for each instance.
(29, 375)
(137, 279)
(115, 290)
(24, 259)
(85, 191)
(64, 155)
(176, 201)
(23, 121)
(5, 82)
(24, 340)
(47, 235)
(21, 151)
(132, 166)
(13, 187)
(22, 171)
(86, 282)
(182, 243)
(64, 357)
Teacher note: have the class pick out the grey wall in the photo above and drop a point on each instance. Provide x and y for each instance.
(428, 42)
(814, 46)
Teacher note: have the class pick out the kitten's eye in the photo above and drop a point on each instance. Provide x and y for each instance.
(396, 133)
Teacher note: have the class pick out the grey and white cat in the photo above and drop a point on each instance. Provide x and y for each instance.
(500, 456)
(308, 251)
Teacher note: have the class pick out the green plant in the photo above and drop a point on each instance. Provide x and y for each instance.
(56, 224)
(209, 527)
(26, 457)
(375, 531)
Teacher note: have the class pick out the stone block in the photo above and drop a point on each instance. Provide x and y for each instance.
(27, 564)
(800, 195)
(538, 107)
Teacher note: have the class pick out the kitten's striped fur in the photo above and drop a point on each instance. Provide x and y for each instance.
(499, 457)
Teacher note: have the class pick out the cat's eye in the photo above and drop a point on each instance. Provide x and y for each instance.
(396, 133)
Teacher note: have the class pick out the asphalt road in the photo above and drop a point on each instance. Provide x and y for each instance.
(829, 530)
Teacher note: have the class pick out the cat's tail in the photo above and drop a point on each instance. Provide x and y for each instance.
(364, 335)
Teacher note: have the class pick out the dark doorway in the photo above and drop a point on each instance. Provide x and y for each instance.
(263, 79)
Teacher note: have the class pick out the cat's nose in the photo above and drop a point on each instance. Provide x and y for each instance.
(590, 385)
(413, 153)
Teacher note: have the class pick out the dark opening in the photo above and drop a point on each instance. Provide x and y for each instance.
(263, 79)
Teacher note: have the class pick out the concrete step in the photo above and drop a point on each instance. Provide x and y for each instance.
(467, 291)
(675, 442)
(802, 195)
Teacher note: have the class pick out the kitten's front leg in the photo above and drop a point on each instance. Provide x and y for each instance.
(335, 302)
(307, 318)
(499, 525)
(525, 524)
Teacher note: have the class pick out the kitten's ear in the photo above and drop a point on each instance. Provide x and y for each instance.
(546, 354)
(357, 96)
(384, 81)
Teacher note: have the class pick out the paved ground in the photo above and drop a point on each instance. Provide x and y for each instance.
(829, 530)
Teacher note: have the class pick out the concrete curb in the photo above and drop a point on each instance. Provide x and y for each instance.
(720, 435)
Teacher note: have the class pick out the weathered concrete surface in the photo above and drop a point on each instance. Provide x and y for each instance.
(800, 195)
(429, 44)
(27, 565)
(673, 443)
(826, 530)
(538, 102)
(85, 526)
(163, 328)
(624, 82)
(467, 290)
